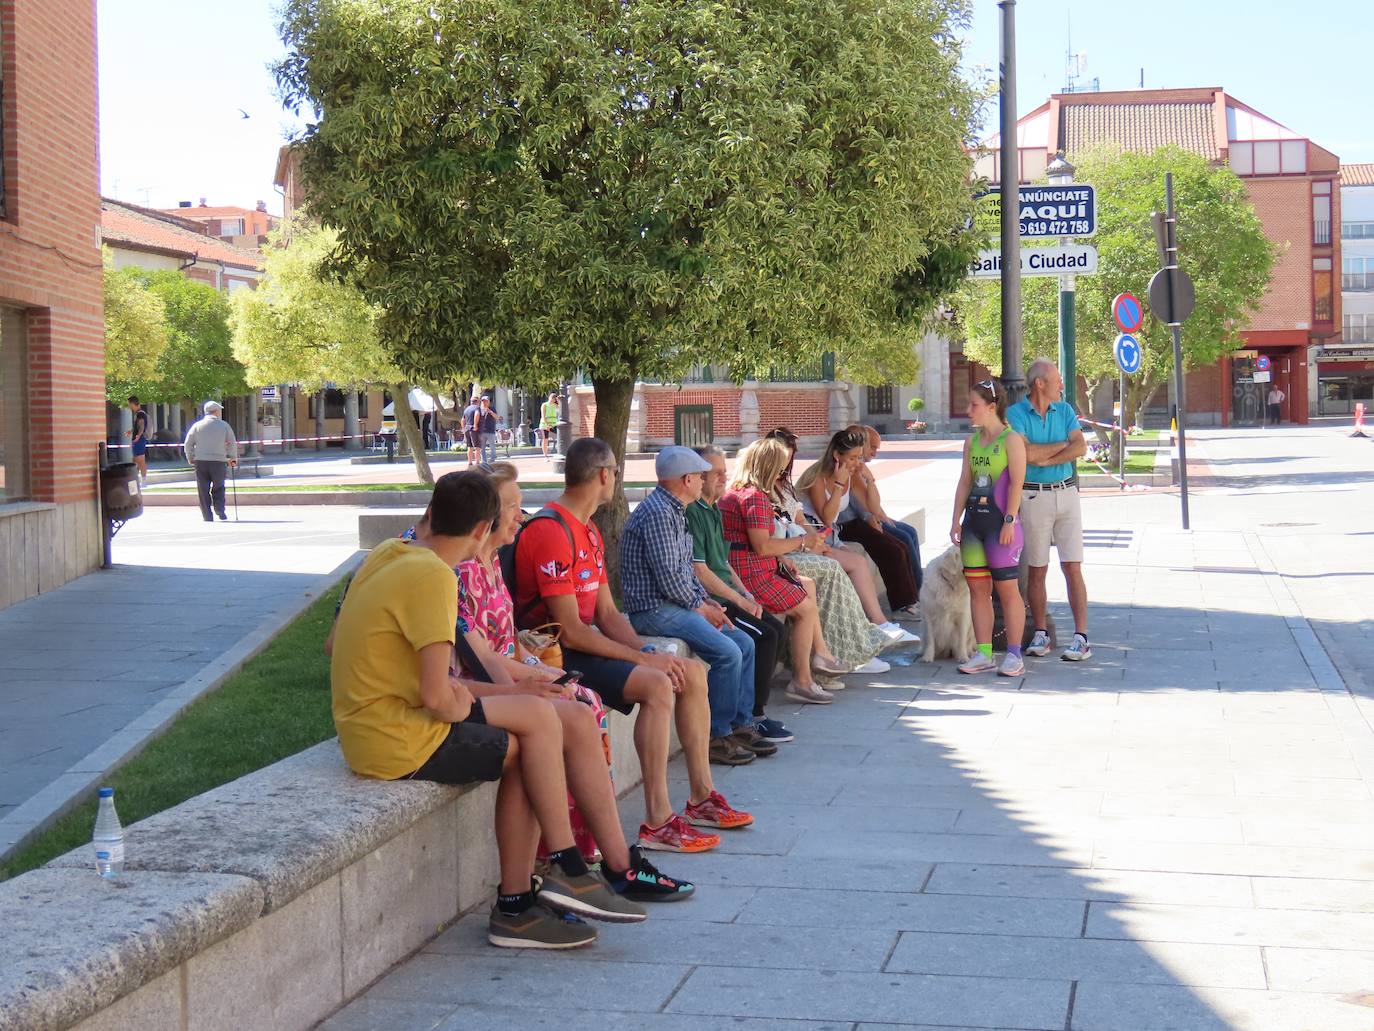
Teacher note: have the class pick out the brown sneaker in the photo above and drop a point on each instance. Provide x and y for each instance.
(751, 740)
(726, 751)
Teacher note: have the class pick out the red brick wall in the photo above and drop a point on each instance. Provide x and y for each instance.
(49, 249)
(659, 406)
(804, 412)
(1284, 205)
(1204, 386)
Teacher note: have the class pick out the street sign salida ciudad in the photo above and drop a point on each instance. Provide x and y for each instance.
(1045, 212)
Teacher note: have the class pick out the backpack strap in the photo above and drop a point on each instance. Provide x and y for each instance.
(547, 512)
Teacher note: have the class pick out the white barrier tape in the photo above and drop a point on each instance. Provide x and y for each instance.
(276, 440)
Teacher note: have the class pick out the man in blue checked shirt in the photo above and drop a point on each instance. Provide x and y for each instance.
(662, 597)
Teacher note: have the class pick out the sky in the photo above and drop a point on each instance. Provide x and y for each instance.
(176, 78)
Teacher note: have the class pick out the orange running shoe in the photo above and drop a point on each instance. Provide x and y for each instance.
(675, 835)
(714, 811)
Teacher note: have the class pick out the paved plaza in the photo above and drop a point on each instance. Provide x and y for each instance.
(1178, 834)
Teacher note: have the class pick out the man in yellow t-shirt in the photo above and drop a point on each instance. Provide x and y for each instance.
(402, 714)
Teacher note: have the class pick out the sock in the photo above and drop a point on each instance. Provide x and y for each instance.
(514, 905)
(569, 860)
(1042, 630)
(986, 649)
(1084, 636)
(1014, 649)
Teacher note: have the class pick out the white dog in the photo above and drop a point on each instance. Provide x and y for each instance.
(945, 609)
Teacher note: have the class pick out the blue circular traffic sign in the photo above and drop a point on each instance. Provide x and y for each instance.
(1127, 312)
(1128, 353)
(1262, 363)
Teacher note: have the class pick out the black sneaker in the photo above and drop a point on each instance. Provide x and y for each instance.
(643, 882)
(538, 927)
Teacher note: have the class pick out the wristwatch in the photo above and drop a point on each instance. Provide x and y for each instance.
(1009, 519)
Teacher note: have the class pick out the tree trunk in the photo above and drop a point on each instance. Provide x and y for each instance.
(613, 397)
(319, 420)
(410, 433)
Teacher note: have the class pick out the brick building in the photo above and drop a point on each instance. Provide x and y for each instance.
(52, 346)
(1294, 185)
(242, 227)
(1345, 368)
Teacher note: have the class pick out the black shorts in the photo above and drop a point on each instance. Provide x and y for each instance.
(607, 677)
(472, 752)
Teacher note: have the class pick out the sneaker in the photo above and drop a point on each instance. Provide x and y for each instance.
(831, 666)
(977, 663)
(896, 634)
(538, 927)
(873, 665)
(752, 741)
(773, 730)
(1079, 650)
(726, 751)
(831, 684)
(910, 614)
(714, 811)
(644, 882)
(1012, 666)
(676, 835)
(587, 895)
(809, 694)
(1040, 644)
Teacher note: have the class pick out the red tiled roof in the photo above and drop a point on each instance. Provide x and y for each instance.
(145, 229)
(1357, 175)
(1139, 127)
(228, 211)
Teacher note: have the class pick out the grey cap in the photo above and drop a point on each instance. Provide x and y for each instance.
(213, 406)
(673, 462)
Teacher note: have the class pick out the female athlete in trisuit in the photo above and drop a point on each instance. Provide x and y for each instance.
(987, 527)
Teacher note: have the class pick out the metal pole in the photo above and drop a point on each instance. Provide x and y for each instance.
(1121, 431)
(1060, 173)
(1010, 181)
(1180, 401)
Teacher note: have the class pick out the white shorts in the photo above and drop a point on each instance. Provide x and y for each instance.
(1052, 517)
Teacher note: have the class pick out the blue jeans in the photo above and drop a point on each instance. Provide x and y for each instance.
(728, 653)
(913, 545)
(489, 448)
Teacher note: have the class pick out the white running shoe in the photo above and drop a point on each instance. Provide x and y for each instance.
(977, 663)
(1040, 644)
(896, 634)
(874, 665)
(1079, 650)
(1012, 666)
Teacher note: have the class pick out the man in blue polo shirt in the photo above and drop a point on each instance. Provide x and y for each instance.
(1050, 509)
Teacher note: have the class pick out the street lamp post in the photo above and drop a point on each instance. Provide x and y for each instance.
(1060, 173)
(1009, 181)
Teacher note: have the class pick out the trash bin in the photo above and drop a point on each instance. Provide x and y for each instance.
(119, 493)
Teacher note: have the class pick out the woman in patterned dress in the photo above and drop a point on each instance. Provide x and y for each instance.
(855, 639)
(756, 555)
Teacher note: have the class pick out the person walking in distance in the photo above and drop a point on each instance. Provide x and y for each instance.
(986, 527)
(1051, 513)
(211, 449)
(138, 437)
(1275, 404)
(486, 433)
(548, 421)
(471, 437)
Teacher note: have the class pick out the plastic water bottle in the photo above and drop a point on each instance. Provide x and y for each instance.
(109, 838)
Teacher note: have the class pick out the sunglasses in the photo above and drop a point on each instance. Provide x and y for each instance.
(988, 384)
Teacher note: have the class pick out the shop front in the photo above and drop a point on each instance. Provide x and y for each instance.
(1345, 377)
(1259, 369)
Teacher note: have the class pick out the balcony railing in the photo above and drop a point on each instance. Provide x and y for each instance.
(1322, 310)
(1357, 281)
(1321, 232)
(1357, 230)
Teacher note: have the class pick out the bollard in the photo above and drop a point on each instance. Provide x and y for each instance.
(1359, 420)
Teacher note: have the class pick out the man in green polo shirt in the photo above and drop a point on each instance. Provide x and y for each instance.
(711, 561)
(1051, 513)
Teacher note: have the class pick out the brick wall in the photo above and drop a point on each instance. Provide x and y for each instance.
(49, 249)
(1285, 207)
(804, 412)
(659, 406)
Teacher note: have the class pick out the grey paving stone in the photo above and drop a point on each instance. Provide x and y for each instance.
(960, 913)
(1339, 971)
(1107, 885)
(942, 848)
(1313, 893)
(1242, 860)
(886, 998)
(469, 1018)
(1078, 959)
(369, 1014)
(511, 980)
(1207, 924)
(1099, 1006)
(879, 873)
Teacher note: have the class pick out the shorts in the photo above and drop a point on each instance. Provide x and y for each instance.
(472, 439)
(607, 677)
(140, 448)
(472, 752)
(980, 545)
(1052, 517)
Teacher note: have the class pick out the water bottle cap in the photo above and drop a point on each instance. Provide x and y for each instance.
(107, 792)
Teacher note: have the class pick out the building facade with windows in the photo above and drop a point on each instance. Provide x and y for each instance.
(1294, 185)
(1345, 368)
(52, 336)
(242, 227)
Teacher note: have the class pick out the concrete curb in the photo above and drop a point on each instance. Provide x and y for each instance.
(41, 809)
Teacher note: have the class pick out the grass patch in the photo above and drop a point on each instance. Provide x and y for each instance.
(357, 488)
(275, 706)
(1136, 462)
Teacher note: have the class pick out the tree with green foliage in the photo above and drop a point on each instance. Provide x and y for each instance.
(198, 362)
(528, 188)
(1222, 246)
(136, 333)
(300, 326)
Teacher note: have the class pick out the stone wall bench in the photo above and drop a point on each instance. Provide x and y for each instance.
(265, 903)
